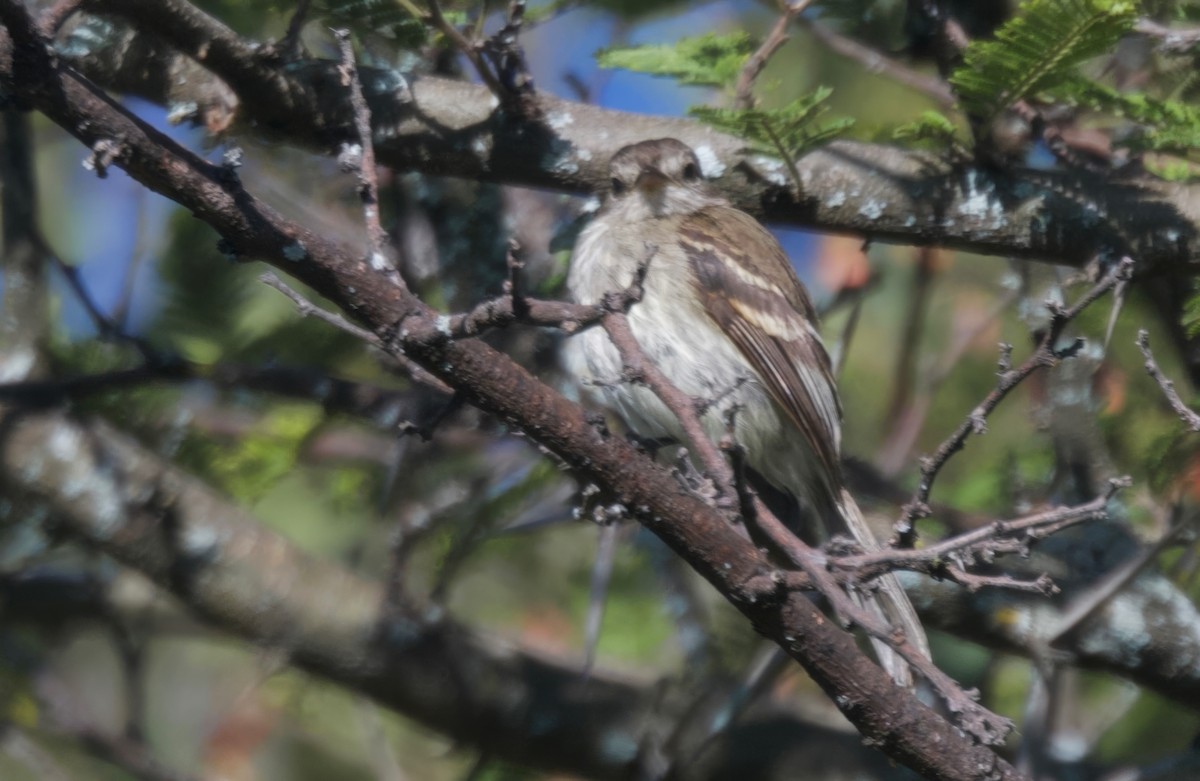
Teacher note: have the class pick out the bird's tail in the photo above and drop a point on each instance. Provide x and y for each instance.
(887, 602)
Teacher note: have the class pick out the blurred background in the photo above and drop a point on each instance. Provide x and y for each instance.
(488, 525)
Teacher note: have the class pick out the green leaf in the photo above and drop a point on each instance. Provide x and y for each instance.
(1036, 50)
(1166, 125)
(709, 60)
(1191, 315)
(786, 132)
(246, 468)
(931, 126)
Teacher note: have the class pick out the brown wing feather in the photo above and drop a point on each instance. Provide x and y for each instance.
(761, 304)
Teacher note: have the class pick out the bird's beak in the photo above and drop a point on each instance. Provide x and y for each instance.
(651, 181)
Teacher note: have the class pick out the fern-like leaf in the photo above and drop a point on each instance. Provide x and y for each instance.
(1036, 50)
(931, 126)
(785, 132)
(1164, 125)
(707, 60)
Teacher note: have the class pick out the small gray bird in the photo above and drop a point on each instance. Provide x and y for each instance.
(725, 318)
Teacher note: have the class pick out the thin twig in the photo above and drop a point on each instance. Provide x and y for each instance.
(368, 183)
(743, 93)
(106, 327)
(306, 308)
(53, 18)
(290, 45)
(1174, 40)
(899, 442)
(910, 338)
(984, 725)
(947, 558)
(514, 307)
(841, 349)
(602, 569)
(469, 49)
(1047, 354)
(68, 718)
(1086, 605)
(511, 66)
(1185, 413)
(120, 310)
(876, 61)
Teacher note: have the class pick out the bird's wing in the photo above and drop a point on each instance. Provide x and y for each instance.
(759, 302)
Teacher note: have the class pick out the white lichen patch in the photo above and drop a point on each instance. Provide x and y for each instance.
(1122, 634)
(481, 146)
(442, 324)
(379, 262)
(179, 112)
(710, 165)
(836, 199)
(17, 364)
(770, 169)
(619, 747)
(295, 252)
(561, 160)
(558, 120)
(199, 540)
(980, 203)
(872, 209)
(63, 443)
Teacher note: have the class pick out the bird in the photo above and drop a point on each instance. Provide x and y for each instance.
(725, 319)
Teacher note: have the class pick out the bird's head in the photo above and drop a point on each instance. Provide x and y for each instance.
(657, 178)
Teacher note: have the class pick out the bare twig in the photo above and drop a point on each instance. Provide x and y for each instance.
(469, 49)
(70, 719)
(53, 17)
(602, 569)
(507, 309)
(876, 61)
(1046, 354)
(1174, 40)
(949, 558)
(743, 92)
(511, 67)
(106, 327)
(1086, 605)
(290, 45)
(1185, 413)
(841, 348)
(306, 308)
(638, 369)
(514, 307)
(368, 183)
(896, 448)
(910, 338)
(981, 723)
(120, 309)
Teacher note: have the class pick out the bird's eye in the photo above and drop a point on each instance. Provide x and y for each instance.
(691, 172)
(618, 187)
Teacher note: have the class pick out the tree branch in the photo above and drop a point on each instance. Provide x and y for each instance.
(1185, 413)
(884, 193)
(900, 725)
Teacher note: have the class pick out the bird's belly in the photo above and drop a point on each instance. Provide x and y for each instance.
(704, 364)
